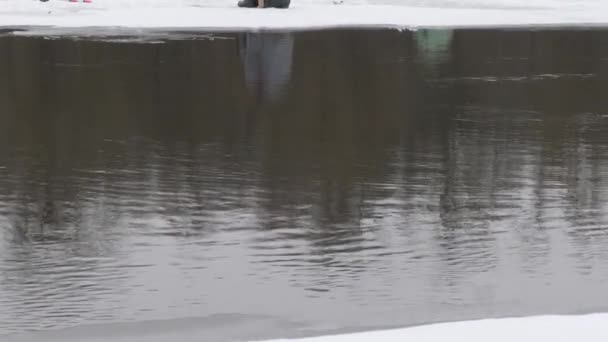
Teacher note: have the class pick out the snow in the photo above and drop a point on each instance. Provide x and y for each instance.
(303, 14)
(588, 328)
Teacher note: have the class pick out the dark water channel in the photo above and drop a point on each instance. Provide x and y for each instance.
(328, 180)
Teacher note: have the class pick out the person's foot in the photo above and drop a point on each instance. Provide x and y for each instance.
(248, 3)
(277, 3)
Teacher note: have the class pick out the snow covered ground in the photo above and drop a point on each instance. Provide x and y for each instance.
(589, 328)
(304, 14)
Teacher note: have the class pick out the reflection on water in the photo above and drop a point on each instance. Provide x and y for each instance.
(267, 59)
(431, 45)
(144, 181)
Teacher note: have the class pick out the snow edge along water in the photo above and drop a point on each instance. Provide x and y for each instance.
(588, 328)
(298, 18)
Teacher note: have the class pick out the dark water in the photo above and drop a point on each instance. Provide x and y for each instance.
(322, 180)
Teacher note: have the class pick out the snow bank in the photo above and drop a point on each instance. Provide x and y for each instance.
(304, 14)
(588, 328)
(585, 328)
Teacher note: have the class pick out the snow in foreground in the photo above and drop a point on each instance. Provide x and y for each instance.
(588, 328)
(585, 328)
(213, 14)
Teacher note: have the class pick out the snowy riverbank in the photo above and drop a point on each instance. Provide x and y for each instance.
(304, 14)
(588, 328)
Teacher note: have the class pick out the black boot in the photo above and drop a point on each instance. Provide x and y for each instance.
(248, 3)
(267, 3)
(277, 3)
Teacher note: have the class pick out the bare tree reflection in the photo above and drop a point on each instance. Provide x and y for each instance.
(368, 179)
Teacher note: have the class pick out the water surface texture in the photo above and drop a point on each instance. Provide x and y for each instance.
(327, 180)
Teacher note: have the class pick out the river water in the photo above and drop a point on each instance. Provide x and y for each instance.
(323, 181)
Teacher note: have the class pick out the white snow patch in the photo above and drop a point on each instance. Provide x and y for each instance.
(588, 328)
(303, 14)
